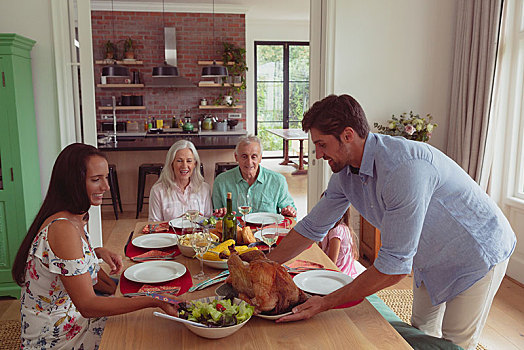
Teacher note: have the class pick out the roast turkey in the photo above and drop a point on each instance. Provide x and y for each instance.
(263, 283)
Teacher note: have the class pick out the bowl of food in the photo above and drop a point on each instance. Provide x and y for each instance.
(184, 244)
(216, 264)
(222, 316)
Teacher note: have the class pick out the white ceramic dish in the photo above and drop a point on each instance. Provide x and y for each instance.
(264, 218)
(182, 223)
(281, 232)
(219, 332)
(273, 317)
(321, 282)
(216, 264)
(154, 271)
(155, 240)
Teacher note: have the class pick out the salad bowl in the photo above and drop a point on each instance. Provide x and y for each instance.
(215, 332)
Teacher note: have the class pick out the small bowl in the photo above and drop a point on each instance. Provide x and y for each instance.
(219, 332)
(216, 264)
(187, 250)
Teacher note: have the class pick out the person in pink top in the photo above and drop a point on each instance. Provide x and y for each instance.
(341, 245)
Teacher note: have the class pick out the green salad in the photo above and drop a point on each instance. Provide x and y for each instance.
(218, 313)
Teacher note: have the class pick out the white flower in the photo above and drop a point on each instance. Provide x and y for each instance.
(392, 125)
(429, 128)
(409, 129)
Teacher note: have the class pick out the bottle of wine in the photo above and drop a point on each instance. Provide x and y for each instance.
(229, 224)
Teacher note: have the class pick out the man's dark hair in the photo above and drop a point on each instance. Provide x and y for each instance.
(67, 192)
(333, 114)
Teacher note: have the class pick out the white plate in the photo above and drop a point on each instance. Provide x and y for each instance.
(216, 264)
(154, 271)
(264, 218)
(273, 317)
(321, 282)
(182, 223)
(155, 240)
(281, 232)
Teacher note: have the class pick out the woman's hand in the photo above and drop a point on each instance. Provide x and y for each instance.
(112, 259)
(168, 308)
(220, 212)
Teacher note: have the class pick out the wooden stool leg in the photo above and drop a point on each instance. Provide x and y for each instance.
(114, 198)
(117, 188)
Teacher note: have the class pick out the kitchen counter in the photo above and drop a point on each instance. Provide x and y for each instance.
(204, 140)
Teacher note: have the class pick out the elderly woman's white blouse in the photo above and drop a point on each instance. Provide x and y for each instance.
(165, 205)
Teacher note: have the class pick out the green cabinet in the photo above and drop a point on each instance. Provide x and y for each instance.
(20, 195)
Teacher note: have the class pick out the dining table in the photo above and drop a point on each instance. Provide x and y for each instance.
(357, 327)
(290, 135)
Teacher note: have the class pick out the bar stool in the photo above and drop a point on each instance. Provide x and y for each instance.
(221, 167)
(114, 189)
(143, 171)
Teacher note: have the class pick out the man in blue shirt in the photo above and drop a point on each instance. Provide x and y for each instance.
(434, 220)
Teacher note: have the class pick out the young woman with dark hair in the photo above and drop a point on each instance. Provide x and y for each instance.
(57, 267)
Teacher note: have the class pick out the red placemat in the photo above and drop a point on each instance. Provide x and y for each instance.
(184, 282)
(349, 304)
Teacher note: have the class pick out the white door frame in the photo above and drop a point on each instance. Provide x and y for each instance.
(67, 67)
(321, 76)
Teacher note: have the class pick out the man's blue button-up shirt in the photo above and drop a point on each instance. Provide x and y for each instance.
(433, 217)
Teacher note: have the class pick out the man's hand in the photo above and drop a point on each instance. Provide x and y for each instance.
(310, 308)
(289, 211)
(112, 259)
(220, 212)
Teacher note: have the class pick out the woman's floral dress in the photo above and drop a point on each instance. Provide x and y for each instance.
(50, 320)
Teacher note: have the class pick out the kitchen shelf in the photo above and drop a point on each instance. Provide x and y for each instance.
(121, 108)
(109, 86)
(216, 85)
(208, 63)
(220, 107)
(127, 63)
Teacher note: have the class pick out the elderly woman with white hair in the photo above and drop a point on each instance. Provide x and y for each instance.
(180, 187)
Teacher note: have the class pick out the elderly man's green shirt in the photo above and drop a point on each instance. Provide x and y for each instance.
(269, 193)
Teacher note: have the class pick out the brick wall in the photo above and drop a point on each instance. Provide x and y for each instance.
(194, 38)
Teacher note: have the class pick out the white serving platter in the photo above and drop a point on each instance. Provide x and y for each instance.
(264, 218)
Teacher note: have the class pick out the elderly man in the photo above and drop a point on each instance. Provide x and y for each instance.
(267, 189)
(434, 219)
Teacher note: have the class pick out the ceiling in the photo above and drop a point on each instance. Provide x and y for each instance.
(294, 10)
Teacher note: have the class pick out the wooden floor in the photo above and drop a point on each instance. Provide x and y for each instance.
(504, 328)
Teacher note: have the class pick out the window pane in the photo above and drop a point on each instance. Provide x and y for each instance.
(270, 62)
(269, 101)
(270, 142)
(298, 63)
(298, 101)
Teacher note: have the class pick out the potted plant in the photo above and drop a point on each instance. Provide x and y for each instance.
(236, 55)
(412, 126)
(110, 50)
(129, 49)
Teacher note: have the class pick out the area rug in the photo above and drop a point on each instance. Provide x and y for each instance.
(10, 335)
(400, 302)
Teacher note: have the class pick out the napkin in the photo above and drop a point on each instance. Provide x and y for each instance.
(158, 228)
(155, 253)
(152, 288)
(184, 282)
(133, 251)
(304, 264)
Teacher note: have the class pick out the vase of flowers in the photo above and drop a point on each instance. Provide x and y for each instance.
(412, 127)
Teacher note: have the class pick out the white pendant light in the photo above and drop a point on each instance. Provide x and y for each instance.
(214, 70)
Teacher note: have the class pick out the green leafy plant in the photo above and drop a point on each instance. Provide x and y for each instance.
(129, 45)
(236, 55)
(110, 48)
(412, 126)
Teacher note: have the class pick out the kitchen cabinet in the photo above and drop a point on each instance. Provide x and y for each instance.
(20, 195)
(369, 238)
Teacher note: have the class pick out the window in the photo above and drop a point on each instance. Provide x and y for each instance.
(281, 90)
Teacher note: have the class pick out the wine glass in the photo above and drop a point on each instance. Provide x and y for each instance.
(269, 234)
(244, 204)
(201, 241)
(191, 215)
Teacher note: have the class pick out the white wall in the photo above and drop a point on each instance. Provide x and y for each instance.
(32, 19)
(396, 56)
(267, 30)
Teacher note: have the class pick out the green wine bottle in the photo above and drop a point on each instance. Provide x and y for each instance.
(229, 224)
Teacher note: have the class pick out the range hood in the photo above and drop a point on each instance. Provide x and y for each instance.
(170, 57)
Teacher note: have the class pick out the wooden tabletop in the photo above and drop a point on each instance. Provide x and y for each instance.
(289, 134)
(358, 327)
